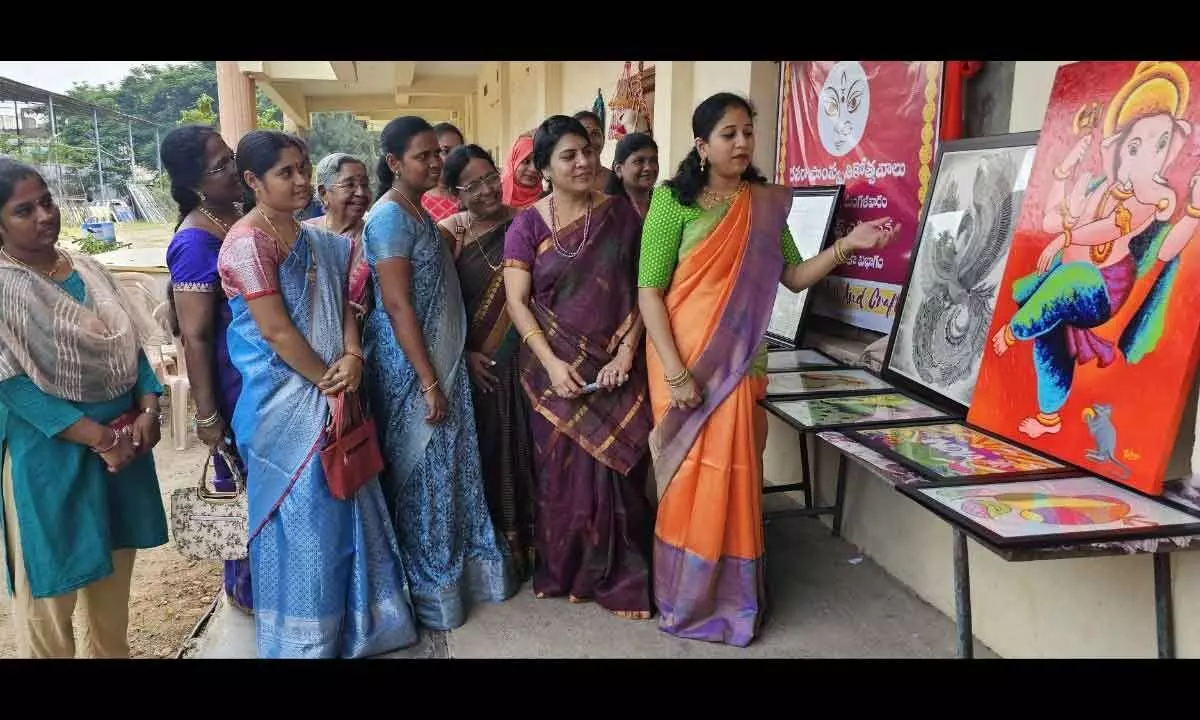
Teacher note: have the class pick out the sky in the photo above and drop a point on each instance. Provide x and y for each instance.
(58, 75)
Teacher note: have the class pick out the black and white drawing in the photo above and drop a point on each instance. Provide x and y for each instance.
(960, 257)
(809, 220)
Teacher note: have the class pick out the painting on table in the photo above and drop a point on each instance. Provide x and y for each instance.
(1059, 510)
(829, 413)
(953, 452)
(810, 221)
(820, 382)
(1093, 344)
(946, 305)
(890, 471)
(785, 360)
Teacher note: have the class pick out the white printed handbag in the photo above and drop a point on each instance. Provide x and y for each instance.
(208, 524)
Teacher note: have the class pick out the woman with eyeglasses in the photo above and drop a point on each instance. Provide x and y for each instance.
(205, 185)
(345, 192)
(501, 410)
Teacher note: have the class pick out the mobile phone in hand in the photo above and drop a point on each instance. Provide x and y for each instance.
(589, 388)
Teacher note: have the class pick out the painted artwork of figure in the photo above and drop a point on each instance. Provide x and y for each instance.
(1092, 346)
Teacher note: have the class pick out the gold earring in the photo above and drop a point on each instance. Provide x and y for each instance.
(703, 162)
(202, 197)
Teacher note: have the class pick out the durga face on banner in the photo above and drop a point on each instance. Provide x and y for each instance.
(1110, 231)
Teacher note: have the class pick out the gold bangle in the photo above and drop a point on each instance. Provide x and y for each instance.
(1193, 211)
(425, 390)
(1058, 173)
(679, 379)
(531, 333)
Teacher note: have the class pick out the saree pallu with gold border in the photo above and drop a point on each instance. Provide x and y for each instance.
(708, 547)
(593, 516)
(502, 415)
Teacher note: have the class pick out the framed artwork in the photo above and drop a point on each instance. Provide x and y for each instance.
(892, 472)
(946, 306)
(802, 359)
(810, 221)
(1057, 511)
(1093, 344)
(813, 383)
(953, 453)
(846, 411)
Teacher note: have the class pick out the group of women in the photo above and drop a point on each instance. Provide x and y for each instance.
(502, 349)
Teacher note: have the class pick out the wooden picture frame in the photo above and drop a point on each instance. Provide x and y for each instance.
(786, 410)
(1049, 467)
(998, 164)
(813, 238)
(981, 508)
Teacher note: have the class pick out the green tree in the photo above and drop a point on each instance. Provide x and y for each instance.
(202, 113)
(342, 132)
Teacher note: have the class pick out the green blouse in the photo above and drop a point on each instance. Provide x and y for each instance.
(663, 237)
(72, 512)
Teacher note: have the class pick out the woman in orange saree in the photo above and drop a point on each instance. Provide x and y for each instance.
(715, 241)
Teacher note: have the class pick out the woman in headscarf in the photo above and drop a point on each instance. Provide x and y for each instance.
(205, 185)
(440, 202)
(569, 271)
(501, 410)
(328, 578)
(420, 389)
(520, 180)
(635, 170)
(78, 420)
(345, 192)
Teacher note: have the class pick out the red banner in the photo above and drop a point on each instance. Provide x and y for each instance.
(871, 126)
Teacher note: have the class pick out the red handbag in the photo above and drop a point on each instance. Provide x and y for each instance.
(351, 456)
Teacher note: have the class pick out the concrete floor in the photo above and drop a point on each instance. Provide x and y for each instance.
(826, 602)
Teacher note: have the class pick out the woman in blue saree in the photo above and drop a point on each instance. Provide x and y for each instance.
(421, 392)
(328, 580)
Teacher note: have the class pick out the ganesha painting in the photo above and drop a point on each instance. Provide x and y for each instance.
(1092, 346)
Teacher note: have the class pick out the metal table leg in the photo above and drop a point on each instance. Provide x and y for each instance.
(839, 495)
(807, 474)
(1164, 610)
(962, 596)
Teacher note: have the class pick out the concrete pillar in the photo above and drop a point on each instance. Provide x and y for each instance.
(235, 100)
(758, 82)
(673, 105)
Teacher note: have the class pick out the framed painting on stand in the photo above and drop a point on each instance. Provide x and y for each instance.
(952, 453)
(810, 222)
(825, 383)
(1054, 511)
(945, 308)
(853, 411)
(1095, 339)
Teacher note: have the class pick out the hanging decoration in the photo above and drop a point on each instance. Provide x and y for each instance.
(630, 113)
(598, 107)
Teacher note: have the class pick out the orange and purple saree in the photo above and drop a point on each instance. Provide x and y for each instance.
(708, 550)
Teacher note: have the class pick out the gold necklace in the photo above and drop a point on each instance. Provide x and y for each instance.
(278, 237)
(467, 232)
(213, 219)
(420, 212)
(709, 199)
(58, 261)
(587, 222)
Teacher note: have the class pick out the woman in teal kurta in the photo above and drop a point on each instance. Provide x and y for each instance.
(70, 364)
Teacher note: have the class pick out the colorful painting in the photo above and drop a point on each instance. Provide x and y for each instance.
(1094, 340)
(1053, 509)
(953, 451)
(808, 382)
(947, 305)
(887, 469)
(783, 360)
(871, 125)
(855, 410)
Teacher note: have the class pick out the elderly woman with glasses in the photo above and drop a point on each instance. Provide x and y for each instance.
(345, 191)
(501, 410)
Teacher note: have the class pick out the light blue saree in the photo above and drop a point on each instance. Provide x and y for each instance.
(327, 575)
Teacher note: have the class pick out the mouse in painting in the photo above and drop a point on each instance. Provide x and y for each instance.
(1099, 423)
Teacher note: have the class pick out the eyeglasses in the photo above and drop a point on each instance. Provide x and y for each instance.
(221, 169)
(353, 187)
(492, 179)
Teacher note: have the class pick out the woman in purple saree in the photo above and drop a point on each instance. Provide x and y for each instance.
(569, 267)
(205, 184)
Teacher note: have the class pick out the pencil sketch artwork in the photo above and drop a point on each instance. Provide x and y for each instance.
(960, 261)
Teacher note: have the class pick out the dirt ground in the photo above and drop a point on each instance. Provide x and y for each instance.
(170, 593)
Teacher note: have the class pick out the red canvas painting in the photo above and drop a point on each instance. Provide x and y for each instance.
(1092, 348)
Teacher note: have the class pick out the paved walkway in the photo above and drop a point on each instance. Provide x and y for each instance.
(827, 602)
